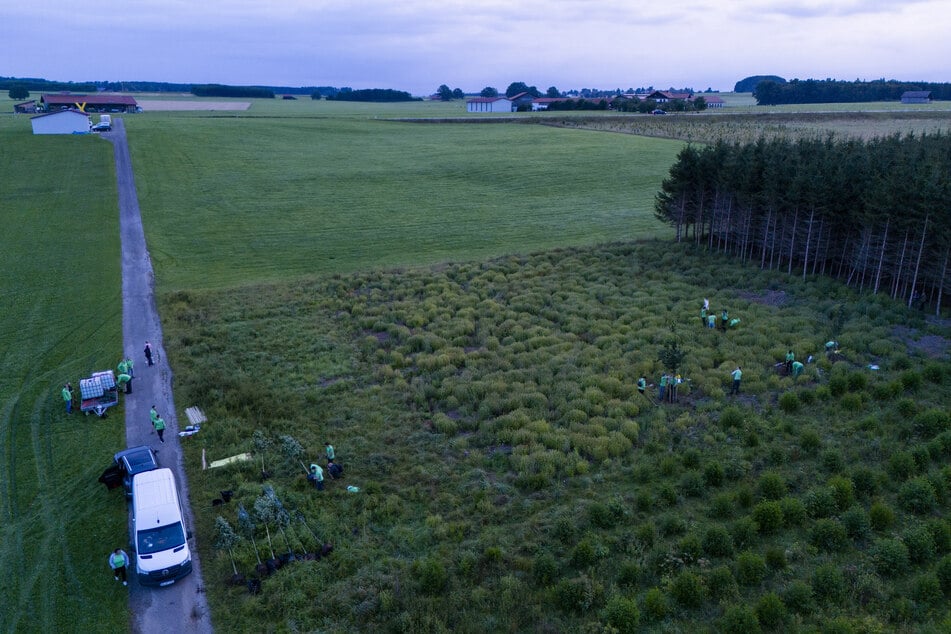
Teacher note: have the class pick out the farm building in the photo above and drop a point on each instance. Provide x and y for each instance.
(61, 122)
(712, 100)
(916, 96)
(25, 107)
(489, 104)
(665, 96)
(89, 103)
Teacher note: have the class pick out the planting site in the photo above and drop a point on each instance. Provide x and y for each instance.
(466, 326)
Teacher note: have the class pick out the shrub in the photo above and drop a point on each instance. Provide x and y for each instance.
(927, 591)
(671, 525)
(930, 423)
(690, 548)
(831, 461)
(713, 474)
(731, 417)
(856, 522)
(776, 558)
(721, 585)
(843, 491)
(687, 590)
(656, 604)
(690, 458)
(584, 554)
(865, 480)
(744, 532)
(691, 484)
(828, 535)
(769, 516)
(917, 496)
(646, 535)
(901, 465)
(629, 574)
(622, 613)
(910, 380)
(750, 568)
(828, 583)
(838, 385)
(889, 557)
(431, 575)
(819, 502)
(717, 541)
(920, 544)
(789, 402)
(721, 507)
(579, 594)
(739, 618)
(809, 441)
(906, 407)
(770, 611)
(794, 511)
(881, 516)
(943, 572)
(799, 597)
(545, 568)
(601, 516)
(941, 534)
(771, 486)
(933, 372)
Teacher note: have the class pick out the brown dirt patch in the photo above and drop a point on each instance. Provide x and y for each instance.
(184, 105)
(934, 346)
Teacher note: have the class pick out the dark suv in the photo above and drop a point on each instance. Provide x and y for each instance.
(126, 464)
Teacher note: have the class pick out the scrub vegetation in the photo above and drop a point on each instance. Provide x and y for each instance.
(512, 477)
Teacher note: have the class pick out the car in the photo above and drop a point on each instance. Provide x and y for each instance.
(102, 127)
(126, 464)
(658, 111)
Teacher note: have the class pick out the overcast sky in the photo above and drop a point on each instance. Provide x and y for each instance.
(416, 45)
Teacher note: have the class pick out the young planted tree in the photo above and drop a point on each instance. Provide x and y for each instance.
(261, 445)
(226, 539)
(246, 526)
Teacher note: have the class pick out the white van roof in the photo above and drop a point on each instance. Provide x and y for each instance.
(155, 499)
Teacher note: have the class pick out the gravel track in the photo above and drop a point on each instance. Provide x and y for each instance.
(181, 607)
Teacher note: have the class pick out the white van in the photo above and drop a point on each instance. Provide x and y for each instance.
(159, 538)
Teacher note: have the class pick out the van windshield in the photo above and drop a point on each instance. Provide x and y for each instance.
(156, 540)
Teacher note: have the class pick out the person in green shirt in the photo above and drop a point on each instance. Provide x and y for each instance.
(118, 561)
(329, 449)
(724, 318)
(316, 476)
(67, 395)
(797, 368)
(662, 388)
(128, 368)
(790, 357)
(703, 317)
(124, 380)
(153, 414)
(737, 374)
(641, 385)
(711, 321)
(159, 425)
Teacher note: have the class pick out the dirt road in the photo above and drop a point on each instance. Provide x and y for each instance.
(181, 607)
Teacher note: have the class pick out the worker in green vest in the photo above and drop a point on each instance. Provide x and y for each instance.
(641, 385)
(724, 318)
(118, 561)
(67, 394)
(711, 321)
(159, 425)
(329, 449)
(737, 374)
(797, 368)
(790, 358)
(124, 380)
(316, 476)
(662, 389)
(703, 317)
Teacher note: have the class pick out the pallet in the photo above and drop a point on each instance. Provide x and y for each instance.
(195, 416)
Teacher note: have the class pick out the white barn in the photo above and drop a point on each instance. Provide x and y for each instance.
(489, 104)
(62, 122)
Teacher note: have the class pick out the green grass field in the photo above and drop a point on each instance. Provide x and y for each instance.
(61, 319)
(228, 201)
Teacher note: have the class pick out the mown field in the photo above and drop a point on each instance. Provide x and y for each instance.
(512, 478)
(227, 201)
(61, 319)
(328, 275)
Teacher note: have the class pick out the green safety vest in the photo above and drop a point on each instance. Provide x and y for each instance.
(118, 560)
(67, 395)
(330, 452)
(159, 424)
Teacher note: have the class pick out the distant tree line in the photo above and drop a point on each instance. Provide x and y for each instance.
(874, 213)
(772, 93)
(749, 84)
(219, 90)
(31, 84)
(375, 95)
